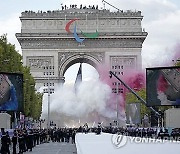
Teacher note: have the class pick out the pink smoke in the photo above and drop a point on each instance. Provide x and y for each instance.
(162, 84)
(133, 78)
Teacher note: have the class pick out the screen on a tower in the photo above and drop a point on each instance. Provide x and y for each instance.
(11, 92)
(163, 86)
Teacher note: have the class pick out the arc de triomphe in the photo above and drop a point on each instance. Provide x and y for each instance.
(64, 37)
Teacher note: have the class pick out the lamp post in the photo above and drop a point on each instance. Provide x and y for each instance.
(48, 121)
(49, 91)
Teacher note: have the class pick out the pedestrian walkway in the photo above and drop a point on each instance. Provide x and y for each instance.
(54, 148)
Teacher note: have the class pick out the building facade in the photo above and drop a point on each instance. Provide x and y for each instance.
(58, 39)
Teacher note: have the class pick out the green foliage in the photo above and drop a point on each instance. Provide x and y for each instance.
(131, 98)
(11, 62)
(10, 59)
(178, 63)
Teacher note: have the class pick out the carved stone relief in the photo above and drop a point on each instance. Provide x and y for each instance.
(63, 56)
(38, 62)
(126, 61)
(72, 44)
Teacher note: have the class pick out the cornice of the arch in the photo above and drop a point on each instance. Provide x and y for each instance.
(66, 59)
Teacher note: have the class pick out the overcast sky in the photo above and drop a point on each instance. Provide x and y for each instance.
(161, 21)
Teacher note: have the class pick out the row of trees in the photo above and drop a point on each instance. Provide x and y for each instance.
(11, 62)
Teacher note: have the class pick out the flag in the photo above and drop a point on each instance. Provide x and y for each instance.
(78, 78)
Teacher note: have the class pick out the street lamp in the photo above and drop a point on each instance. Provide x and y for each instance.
(48, 90)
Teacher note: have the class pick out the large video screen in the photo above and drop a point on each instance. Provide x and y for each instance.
(163, 86)
(11, 92)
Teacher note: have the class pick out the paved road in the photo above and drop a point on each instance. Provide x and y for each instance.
(54, 148)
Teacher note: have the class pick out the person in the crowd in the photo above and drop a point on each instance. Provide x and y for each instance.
(14, 141)
(73, 136)
(4, 142)
(21, 142)
(29, 141)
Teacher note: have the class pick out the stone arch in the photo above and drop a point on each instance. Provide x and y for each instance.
(78, 58)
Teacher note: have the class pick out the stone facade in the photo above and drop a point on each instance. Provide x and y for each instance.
(45, 42)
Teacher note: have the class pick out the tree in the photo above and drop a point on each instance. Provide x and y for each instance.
(10, 59)
(11, 62)
(131, 98)
(178, 63)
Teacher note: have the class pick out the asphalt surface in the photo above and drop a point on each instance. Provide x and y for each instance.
(54, 148)
(51, 148)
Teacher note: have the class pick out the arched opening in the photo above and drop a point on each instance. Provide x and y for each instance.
(71, 107)
(88, 73)
(78, 58)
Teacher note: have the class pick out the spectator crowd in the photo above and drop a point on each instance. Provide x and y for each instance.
(23, 140)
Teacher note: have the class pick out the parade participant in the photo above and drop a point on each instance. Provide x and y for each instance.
(73, 136)
(86, 128)
(99, 129)
(14, 141)
(8, 142)
(4, 143)
(30, 140)
(21, 142)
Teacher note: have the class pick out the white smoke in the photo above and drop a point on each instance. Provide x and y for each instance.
(163, 98)
(89, 100)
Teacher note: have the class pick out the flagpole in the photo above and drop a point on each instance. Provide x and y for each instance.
(78, 77)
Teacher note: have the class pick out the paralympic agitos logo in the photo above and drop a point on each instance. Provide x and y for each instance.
(85, 35)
